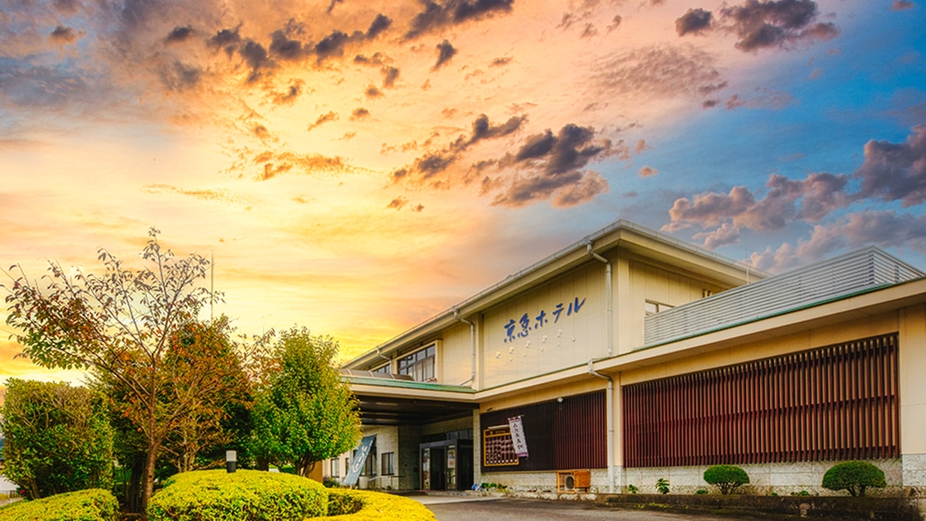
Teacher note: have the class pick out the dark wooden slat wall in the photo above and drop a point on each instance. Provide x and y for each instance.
(832, 403)
(566, 435)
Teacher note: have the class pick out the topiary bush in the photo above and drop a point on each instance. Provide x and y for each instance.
(245, 495)
(84, 505)
(365, 505)
(727, 477)
(854, 476)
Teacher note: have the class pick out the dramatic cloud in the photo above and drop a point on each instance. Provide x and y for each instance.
(179, 35)
(902, 5)
(271, 164)
(436, 16)
(885, 229)
(693, 22)
(324, 118)
(661, 71)
(287, 49)
(397, 203)
(66, 7)
(63, 35)
(615, 23)
(179, 77)
(331, 46)
(776, 24)
(648, 172)
(257, 59)
(445, 51)
(819, 194)
(500, 62)
(426, 169)
(895, 171)
(359, 114)
(227, 40)
(290, 95)
(550, 166)
(380, 24)
(390, 74)
(372, 92)
(726, 234)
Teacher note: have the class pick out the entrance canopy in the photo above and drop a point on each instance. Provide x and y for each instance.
(387, 401)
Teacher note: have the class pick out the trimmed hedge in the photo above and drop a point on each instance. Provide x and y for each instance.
(246, 495)
(365, 505)
(83, 505)
(727, 477)
(854, 476)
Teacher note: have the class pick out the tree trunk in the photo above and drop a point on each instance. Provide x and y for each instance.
(148, 489)
(133, 487)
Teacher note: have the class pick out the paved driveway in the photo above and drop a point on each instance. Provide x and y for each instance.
(499, 509)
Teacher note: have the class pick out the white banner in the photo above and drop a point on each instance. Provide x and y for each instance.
(517, 436)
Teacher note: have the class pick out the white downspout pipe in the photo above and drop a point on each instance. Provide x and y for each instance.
(609, 398)
(609, 405)
(472, 342)
(607, 295)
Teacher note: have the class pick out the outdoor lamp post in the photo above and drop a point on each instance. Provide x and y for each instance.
(231, 460)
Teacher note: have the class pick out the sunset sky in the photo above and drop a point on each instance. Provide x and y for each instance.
(356, 167)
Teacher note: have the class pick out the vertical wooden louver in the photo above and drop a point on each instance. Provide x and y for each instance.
(832, 403)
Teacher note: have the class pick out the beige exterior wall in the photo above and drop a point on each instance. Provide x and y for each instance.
(913, 395)
(642, 281)
(454, 356)
(569, 340)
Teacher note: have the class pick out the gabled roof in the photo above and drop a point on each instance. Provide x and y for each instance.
(635, 238)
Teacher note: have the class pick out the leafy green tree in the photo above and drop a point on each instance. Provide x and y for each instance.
(58, 438)
(854, 476)
(122, 326)
(304, 412)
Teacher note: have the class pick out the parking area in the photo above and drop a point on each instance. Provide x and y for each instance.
(448, 508)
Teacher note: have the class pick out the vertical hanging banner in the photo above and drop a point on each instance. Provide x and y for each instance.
(517, 436)
(360, 457)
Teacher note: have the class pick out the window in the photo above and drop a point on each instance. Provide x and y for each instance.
(420, 365)
(655, 307)
(346, 466)
(369, 466)
(387, 467)
(384, 369)
(335, 467)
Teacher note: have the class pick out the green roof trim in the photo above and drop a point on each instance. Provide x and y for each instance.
(406, 384)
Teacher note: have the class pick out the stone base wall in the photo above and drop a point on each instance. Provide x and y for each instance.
(541, 482)
(914, 472)
(764, 478)
(783, 479)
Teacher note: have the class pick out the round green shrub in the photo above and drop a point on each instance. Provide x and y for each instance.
(83, 505)
(245, 495)
(366, 505)
(854, 476)
(727, 477)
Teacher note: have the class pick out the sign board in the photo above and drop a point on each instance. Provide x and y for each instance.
(360, 457)
(517, 436)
